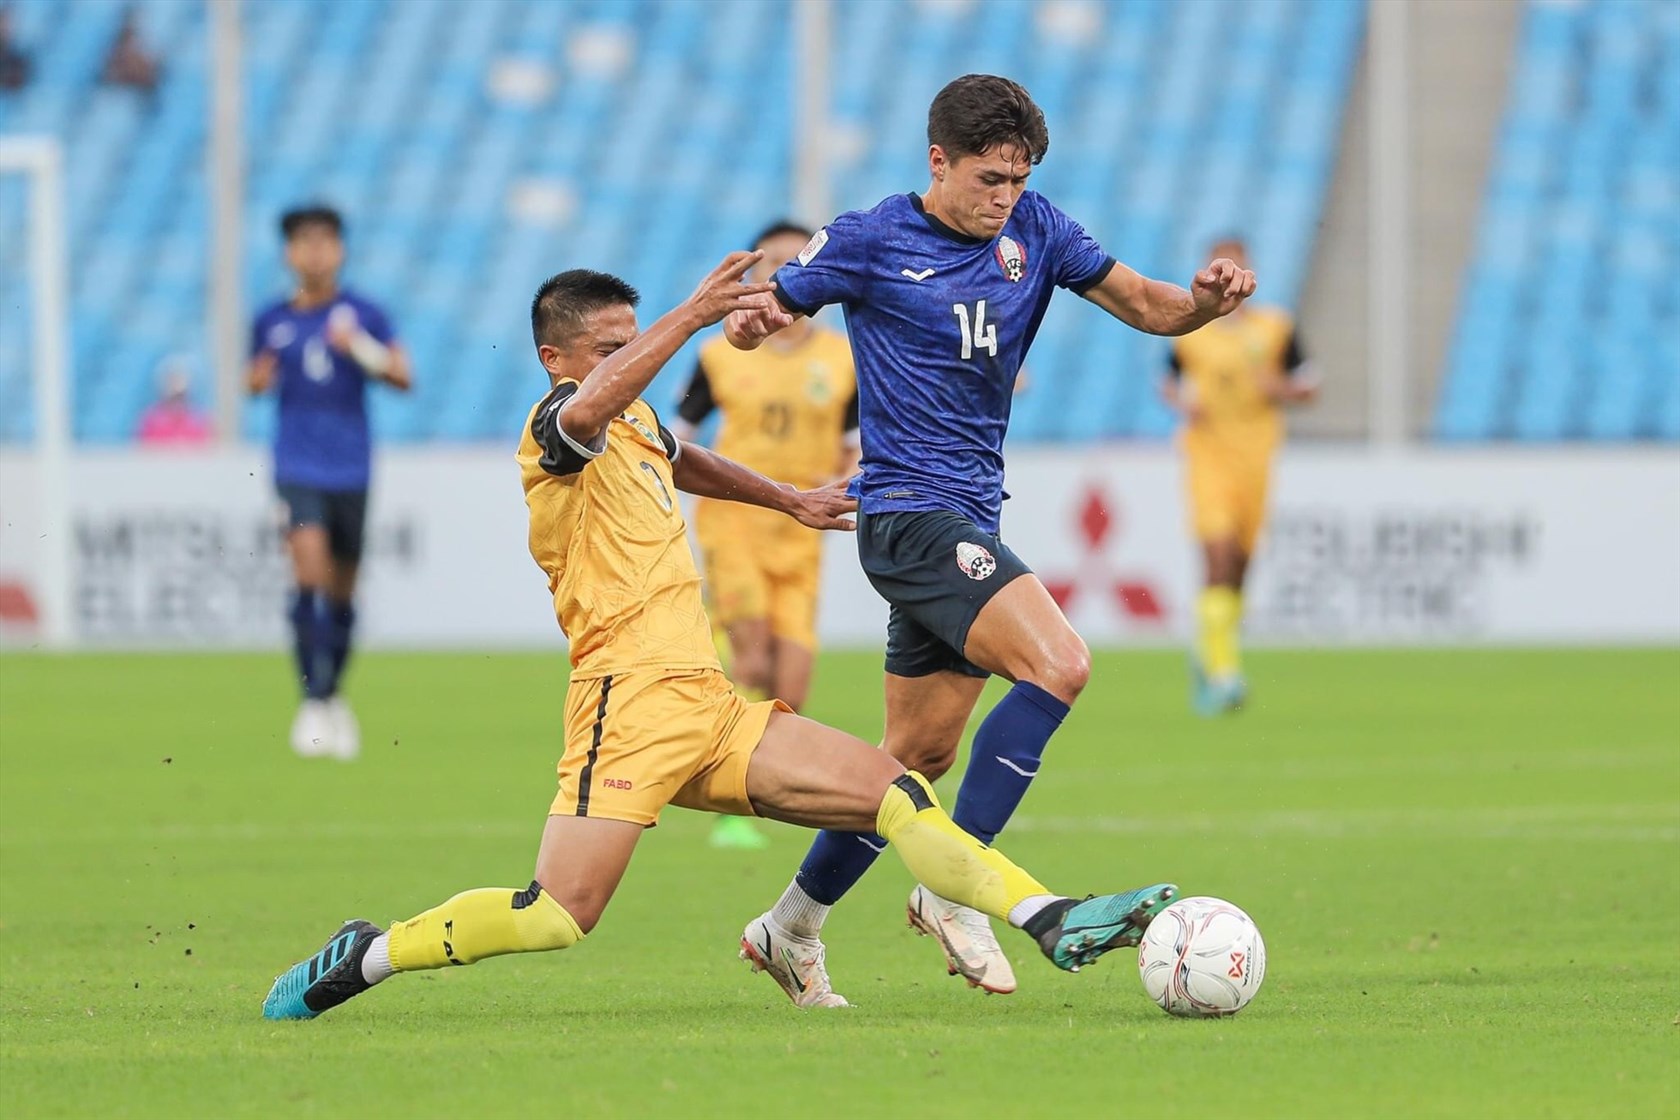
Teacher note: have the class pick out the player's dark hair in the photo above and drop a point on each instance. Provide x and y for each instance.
(300, 217)
(567, 298)
(978, 112)
(777, 228)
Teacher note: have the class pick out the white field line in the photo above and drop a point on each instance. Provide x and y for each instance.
(1659, 823)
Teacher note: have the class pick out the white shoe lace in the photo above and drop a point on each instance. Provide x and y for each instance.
(978, 929)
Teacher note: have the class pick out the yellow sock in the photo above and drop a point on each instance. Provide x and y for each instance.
(1219, 612)
(488, 922)
(945, 859)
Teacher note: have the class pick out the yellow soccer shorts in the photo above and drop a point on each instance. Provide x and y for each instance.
(760, 564)
(1227, 496)
(638, 741)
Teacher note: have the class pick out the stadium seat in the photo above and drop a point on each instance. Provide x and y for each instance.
(1583, 194)
(663, 157)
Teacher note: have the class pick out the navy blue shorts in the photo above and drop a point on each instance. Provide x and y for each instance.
(342, 513)
(936, 569)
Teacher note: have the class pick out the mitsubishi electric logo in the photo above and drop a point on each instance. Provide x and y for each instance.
(1097, 528)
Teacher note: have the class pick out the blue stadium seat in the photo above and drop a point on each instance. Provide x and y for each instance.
(387, 108)
(1585, 194)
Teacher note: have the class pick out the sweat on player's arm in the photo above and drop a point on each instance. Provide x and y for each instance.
(628, 371)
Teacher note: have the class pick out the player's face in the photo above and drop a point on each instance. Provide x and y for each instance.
(980, 191)
(315, 253)
(605, 331)
(777, 250)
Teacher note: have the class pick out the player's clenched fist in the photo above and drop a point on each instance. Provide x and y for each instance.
(722, 290)
(1221, 287)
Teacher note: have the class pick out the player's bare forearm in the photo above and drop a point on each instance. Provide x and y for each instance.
(706, 474)
(1158, 307)
(623, 376)
(259, 376)
(399, 375)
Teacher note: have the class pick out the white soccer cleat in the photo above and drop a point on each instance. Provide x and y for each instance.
(313, 730)
(346, 735)
(793, 962)
(971, 948)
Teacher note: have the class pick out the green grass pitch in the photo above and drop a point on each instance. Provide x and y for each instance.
(1466, 865)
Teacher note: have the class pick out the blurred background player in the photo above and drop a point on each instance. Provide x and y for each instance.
(789, 411)
(321, 346)
(1229, 380)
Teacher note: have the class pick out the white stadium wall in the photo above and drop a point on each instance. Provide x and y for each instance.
(1427, 547)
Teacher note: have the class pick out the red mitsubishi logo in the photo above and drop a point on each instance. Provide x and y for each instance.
(1098, 523)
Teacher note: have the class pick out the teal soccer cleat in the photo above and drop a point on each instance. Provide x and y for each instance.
(1074, 933)
(325, 980)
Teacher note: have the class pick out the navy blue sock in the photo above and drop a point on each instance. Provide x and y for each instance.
(308, 639)
(1004, 758)
(341, 624)
(836, 861)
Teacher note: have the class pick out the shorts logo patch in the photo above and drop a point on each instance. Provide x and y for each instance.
(616, 783)
(1012, 258)
(975, 561)
(813, 246)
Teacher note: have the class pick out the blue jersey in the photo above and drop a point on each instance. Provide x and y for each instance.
(940, 323)
(321, 439)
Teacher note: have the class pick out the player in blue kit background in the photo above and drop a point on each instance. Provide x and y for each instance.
(943, 293)
(320, 347)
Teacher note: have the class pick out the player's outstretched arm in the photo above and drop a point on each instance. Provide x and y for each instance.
(1157, 307)
(706, 474)
(622, 377)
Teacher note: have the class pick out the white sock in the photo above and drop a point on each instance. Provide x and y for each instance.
(376, 962)
(1024, 911)
(799, 914)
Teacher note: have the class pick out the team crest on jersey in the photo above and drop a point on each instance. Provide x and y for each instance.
(1012, 258)
(975, 561)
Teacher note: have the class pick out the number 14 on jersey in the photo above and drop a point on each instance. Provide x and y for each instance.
(981, 334)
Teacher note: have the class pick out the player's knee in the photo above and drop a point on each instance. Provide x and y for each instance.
(932, 758)
(1066, 669)
(558, 922)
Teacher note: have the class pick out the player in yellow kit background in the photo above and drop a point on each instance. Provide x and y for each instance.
(1230, 381)
(789, 411)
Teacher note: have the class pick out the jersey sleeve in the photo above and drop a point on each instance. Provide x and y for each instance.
(1080, 263)
(832, 268)
(259, 333)
(562, 455)
(376, 322)
(697, 402)
(667, 438)
(1294, 356)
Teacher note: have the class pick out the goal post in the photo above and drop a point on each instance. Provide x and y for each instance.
(41, 160)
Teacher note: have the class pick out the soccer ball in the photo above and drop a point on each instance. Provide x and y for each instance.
(1202, 958)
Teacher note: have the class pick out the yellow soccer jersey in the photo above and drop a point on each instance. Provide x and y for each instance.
(1224, 368)
(785, 413)
(607, 530)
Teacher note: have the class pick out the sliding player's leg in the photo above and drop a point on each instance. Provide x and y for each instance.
(579, 865)
(810, 774)
(632, 741)
(926, 715)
